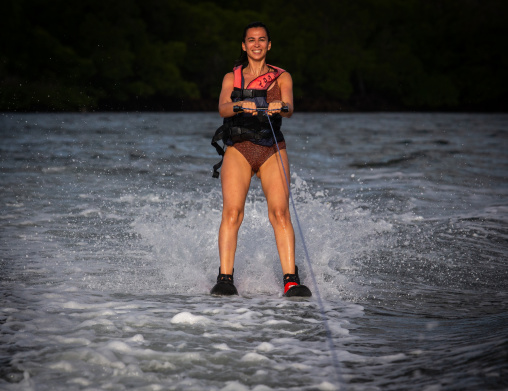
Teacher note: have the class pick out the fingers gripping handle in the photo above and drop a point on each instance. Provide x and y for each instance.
(239, 109)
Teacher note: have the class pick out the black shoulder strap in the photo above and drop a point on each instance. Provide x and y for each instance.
(219, 136)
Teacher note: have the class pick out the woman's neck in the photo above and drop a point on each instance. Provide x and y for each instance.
(257, 68)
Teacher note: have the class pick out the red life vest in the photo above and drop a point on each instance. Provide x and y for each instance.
(262, 82)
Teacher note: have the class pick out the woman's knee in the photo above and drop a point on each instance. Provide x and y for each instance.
(279, 216)
(232, 216)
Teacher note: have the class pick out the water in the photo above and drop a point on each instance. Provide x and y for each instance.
(108, 251)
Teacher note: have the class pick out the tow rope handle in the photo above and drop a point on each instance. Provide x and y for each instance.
(240, 109)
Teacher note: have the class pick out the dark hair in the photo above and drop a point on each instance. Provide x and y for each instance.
(242, 60)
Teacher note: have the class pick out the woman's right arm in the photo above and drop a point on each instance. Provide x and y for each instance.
(225, 103)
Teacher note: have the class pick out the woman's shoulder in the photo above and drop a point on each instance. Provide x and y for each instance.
(229, 75)
(229, 78)
(285, 77)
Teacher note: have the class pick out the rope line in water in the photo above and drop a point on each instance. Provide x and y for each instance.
(318, 294)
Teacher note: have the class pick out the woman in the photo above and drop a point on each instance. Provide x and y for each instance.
(251, 149)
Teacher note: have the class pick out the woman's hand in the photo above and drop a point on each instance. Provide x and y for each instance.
(275, 107)
(248, 107)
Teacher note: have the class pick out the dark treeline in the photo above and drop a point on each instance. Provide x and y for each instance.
(172, 54)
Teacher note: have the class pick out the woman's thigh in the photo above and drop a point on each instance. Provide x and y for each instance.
(236, 175)
(273, 181)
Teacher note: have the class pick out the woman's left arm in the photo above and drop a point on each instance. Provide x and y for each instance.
(286, 91)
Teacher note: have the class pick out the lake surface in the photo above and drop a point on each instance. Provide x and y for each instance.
(108, 249)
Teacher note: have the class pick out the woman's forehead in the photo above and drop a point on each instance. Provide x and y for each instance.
(256, 32)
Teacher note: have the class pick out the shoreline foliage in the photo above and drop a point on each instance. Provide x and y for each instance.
(344, 55)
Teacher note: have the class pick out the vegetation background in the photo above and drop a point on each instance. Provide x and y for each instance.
(344, 55)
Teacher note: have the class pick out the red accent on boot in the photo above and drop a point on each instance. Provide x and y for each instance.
(288, 286)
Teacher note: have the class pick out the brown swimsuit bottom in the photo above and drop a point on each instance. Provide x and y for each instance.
(255, 154)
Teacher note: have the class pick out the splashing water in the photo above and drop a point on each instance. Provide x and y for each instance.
(109, 249)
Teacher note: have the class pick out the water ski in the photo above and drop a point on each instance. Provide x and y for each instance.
(298, 291)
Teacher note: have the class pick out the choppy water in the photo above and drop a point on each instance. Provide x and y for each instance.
(108, 251)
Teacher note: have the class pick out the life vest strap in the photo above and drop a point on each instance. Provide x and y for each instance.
(239, 94)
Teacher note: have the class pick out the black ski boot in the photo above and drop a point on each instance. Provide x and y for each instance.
(224, 286)
(292, 286)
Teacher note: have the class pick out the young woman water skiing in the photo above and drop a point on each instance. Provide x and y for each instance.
(251, 149)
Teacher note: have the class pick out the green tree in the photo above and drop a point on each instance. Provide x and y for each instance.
(418, 54)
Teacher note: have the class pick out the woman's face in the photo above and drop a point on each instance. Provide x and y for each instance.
(256, 43)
